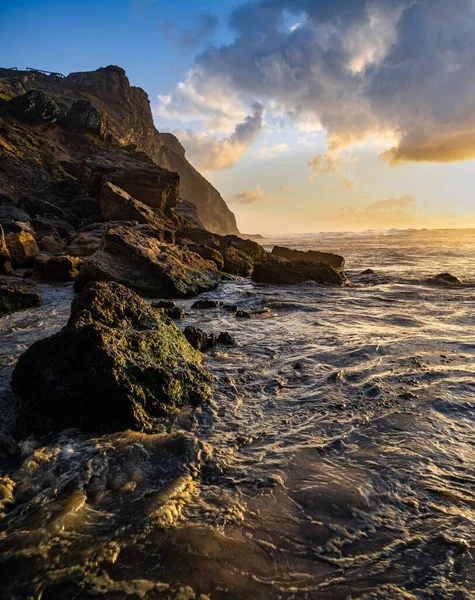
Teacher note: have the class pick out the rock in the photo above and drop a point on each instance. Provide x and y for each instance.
(199, 339)
(225, 339)
(86, 243)
(35, 107)
(334, 260)
(39, 206)
(22, 247)
(445, 279)
(8, 212)
(170, 309)
(50, 243)
(116, 365)
(138, 176)
(18, 227)
(118, 205)
(368, 272)
(189, 212)
(85, 207)
(282, 271)
(16, 294)
(84, 117)
(242, 314)
(148, 266)
(238, 255)
(236, 262)
(52, 225)
(207, 253)
(57, 268)
(204, 304)
(5, 258)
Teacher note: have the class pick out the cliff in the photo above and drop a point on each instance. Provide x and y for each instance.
(83, 114)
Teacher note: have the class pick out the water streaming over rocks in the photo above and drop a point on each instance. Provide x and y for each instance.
(335, 461)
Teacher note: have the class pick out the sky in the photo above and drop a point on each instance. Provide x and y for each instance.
(307, 115)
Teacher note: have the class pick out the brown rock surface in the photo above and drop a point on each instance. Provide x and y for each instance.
(149, 267)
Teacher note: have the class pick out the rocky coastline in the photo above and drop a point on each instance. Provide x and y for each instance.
(85, 199)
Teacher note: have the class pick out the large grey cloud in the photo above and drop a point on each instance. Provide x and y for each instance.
(356, 67)
(209, 153)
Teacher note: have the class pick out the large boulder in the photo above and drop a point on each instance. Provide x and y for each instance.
(238, 254)
(146, 265)
(116, 365)
(282, 271)
(5, 258)
(188, 211)
(35, 107)
(334, 260)
(207, 253)
(22, 247)
(137, 175)
(84, 117)
(117, 205)
(237, 262)
(57, 268)
(16, 294)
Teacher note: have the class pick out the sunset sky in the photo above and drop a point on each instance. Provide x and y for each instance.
(307, 115)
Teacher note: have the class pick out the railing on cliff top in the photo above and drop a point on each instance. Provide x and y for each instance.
(60, 75)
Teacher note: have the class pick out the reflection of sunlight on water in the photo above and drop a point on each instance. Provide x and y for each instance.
(335, 461)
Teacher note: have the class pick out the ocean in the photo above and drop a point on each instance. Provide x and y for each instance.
(336, 459)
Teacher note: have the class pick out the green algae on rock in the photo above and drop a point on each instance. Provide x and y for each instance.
(116, 365)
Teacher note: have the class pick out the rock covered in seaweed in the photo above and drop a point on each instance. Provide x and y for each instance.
(116, 365)
(149, 267)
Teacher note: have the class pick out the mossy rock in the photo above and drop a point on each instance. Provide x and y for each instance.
(117, 364)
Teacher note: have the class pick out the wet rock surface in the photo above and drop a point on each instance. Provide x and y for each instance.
(116, 365)
(170, 309)
(147, 266)
(445, 279)
(17, 294)
(278, 270)
(334, 260)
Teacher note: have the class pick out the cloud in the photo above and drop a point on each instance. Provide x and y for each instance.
(356, 68)
(285, 188)
(248, 197)
(323, 163)
(198, 35)
(209, 153)
(269, 152)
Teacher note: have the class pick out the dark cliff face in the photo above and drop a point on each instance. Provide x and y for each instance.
(96, 110)
(212, 209)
